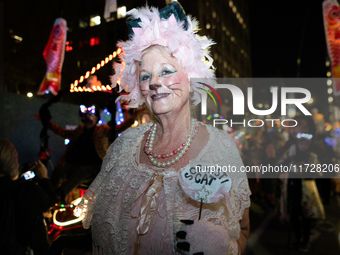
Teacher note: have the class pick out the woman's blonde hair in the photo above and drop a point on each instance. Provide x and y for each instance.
(9, 165)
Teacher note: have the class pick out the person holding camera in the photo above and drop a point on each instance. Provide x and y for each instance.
(85, 152)
(22, 225)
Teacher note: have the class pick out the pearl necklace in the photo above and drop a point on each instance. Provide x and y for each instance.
(180, 151)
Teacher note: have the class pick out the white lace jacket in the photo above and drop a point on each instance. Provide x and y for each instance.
(107, 204)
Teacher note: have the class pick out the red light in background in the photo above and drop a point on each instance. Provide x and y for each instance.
(94, 41)
(69, 48)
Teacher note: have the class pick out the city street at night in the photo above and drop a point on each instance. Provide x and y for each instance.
(170, 127)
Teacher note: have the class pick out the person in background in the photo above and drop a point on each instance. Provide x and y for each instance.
(22, 225)
(85, 152)
(301, 202)
(260, 150)
(87, 148)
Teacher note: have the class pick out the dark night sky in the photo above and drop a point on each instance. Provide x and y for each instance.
(278, 28)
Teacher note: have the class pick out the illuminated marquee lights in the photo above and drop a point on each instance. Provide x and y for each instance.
(106, 88)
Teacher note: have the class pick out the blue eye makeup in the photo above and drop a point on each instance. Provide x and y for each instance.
(144, 77)
(168, 70)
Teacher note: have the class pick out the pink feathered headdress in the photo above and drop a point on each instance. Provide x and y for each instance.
(176, 33)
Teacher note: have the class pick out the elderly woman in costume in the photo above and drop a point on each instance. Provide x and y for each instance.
(136, 205)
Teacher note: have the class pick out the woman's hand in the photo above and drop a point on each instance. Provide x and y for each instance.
(40, 170)
(204, 238)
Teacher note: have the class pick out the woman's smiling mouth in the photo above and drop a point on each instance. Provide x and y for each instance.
(159, 96)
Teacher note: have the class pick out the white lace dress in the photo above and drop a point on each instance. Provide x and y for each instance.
(112, 204)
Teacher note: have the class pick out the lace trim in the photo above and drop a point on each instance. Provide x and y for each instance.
(108, 201)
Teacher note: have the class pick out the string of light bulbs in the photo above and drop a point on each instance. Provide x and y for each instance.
(107, 88)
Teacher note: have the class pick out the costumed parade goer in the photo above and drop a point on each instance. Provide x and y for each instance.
(136, 204)
(85, 152)
(86, 149)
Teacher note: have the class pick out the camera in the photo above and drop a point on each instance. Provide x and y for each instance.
(28, 171)
(29, 175)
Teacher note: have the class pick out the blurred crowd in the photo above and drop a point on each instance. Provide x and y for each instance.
(298, 198)
(31, 195)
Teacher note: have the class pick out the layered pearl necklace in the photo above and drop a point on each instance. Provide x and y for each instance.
(178, 153)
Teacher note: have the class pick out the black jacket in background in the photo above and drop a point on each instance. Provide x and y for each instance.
(29, 199)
